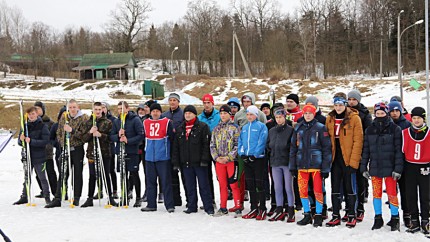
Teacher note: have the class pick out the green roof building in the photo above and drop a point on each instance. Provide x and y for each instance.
(118, 66)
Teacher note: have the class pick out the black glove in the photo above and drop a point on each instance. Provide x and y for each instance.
(251, 159)
(245, 158)
(294, 173)
(324, 175)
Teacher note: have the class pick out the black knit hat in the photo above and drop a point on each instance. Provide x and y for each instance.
(264, 105)
(225, 108)
(190, 108)
(293, 97)
(155, 106)
(60, 113)
(150, 102)
(419, 111)
(40, 105)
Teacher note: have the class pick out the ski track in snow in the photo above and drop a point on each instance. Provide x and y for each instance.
(23, 223)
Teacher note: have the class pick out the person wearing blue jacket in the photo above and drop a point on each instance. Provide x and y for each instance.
(211, 117)
(37, 139)
(310, 155)
(158, 137)
(132, 135)
(251, 148)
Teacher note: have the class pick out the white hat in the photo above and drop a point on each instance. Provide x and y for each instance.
(252, 109)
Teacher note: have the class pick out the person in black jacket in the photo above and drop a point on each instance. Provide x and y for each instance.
(278, 144)
(49, 163)
(132, 135)
(395, 110)
(37, 139)
(382, 159)
(106, 111)
(354, 101)
(191, 151)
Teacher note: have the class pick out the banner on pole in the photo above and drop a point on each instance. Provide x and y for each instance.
(413, 83)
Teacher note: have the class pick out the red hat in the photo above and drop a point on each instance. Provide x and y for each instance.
(208, 98)
(309, 109)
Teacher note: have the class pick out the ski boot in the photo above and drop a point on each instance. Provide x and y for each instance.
(291, 215)
(395, 223)
(415, 226)
(138, 203)
(279, 215)
(56, 202)
(252, 214)
(335, 221)
(318, 220)
(22, 200)
(262, 214)
(378, 223)
(306, 220)
(88, 203)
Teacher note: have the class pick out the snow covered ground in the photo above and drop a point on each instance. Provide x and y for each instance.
(23, 223)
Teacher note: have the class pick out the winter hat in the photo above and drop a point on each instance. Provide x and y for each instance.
(310, 109)
(264, 105)
(208, 98)
(339, 100)
(155, 106)
(234, 101)
(252, 109)
(141, 106)
(190, 108)
(396, 98)
(395, 105)
(419, 111)
(106, 105)
(280, 111)
(313, 100)
(60, 113)
(225, 108)
(293, 97)
(380, 106)
(175, 95)
(150, 102)
(355, 94)
(40, 105)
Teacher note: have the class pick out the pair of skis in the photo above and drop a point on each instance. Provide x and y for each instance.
(66, 162)
(99, 168)
(25, 156)
(121, 159)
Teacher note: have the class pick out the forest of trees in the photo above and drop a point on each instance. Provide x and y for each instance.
(338, 36)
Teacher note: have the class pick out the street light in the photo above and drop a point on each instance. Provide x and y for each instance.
(171, 59)
(399, 50)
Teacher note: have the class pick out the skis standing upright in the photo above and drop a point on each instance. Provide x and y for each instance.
(121, 158)
(96, 159)
(66, 150)
(25, 154)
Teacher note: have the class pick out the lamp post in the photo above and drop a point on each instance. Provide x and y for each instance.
(399, 50)
(171, 66)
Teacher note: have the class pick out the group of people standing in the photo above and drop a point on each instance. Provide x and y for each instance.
(276, 152)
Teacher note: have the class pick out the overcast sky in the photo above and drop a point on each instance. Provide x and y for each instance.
(93, 13)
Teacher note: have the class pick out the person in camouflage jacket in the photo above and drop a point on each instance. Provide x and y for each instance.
(75, 127)
(100, 130)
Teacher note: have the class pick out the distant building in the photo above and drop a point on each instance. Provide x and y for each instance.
(118, 66)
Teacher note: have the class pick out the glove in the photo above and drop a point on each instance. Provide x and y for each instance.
(324, 175)
(251, 159)
(396, 176)
(366, 175)
(245, 158)
(294, 173)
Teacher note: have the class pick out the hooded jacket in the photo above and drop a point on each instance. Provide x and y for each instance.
(224, 140)
(278, 144)
(252, 139)
(211, 121)
(240, 117)
(310, 147)
(402, 122)
(133, 131)
(365, 116)
(104, 126)
(39, 138)
(350, 136)
(78, 129)
(382, 149)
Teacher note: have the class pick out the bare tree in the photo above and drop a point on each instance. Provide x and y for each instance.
(127, 22)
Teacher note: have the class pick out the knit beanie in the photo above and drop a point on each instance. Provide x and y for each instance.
(310, 109)
(155, 106)
(225, 108)
(293, 97)
(190, 108)
(264, 105)
(313, 100)
(40, 105)
(234, 101)
(380, 106)
(208, 98)
(419, 111)
(395, 105)
(253, 110)
(355, 94)
(175, 95)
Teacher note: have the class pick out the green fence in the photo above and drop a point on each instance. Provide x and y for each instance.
(153, 88)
